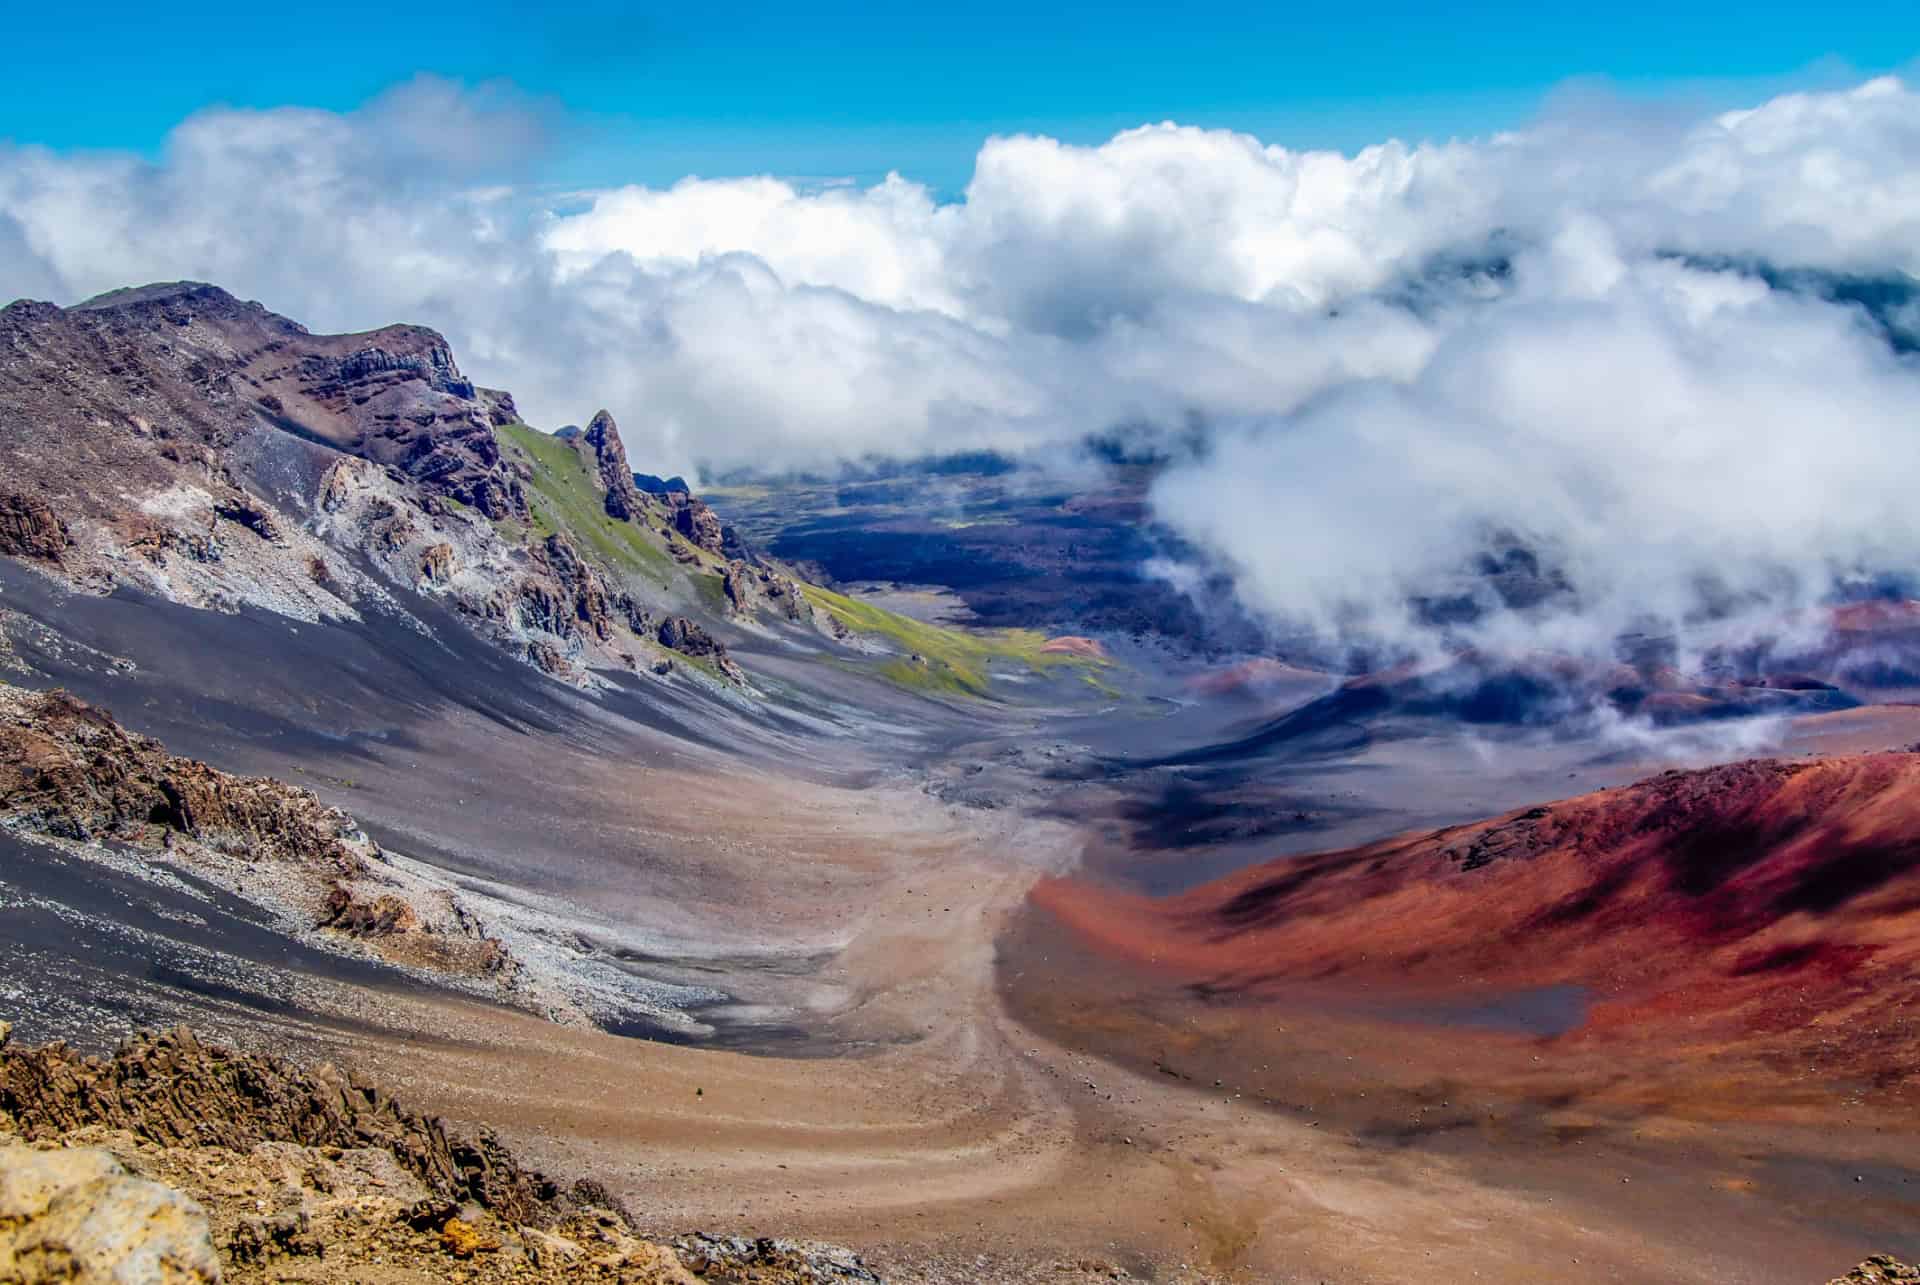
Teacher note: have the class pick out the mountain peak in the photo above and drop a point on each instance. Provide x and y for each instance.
(181, 302)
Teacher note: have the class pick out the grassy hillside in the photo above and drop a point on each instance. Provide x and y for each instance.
(952, 662)
(566, 497)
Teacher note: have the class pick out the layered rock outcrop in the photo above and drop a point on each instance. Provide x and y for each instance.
(395, 396)
(186, 428)
(195, 365)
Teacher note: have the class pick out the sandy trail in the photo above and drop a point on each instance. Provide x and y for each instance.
(949, 1141)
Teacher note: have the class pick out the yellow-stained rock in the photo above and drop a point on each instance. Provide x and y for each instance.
(78, 1217)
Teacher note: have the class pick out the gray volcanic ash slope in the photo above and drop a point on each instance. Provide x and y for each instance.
(333, 560)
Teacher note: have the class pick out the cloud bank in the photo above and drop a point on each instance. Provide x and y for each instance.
(1571, 341)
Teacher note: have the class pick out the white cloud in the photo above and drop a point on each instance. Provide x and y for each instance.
(1668, 434)
(881, 243)
(1672, 440)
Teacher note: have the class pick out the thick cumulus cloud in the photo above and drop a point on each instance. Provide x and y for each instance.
(1673, 445)
(1571, 340)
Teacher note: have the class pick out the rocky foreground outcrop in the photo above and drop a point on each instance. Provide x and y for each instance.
(78, 1215)
(178, 1161)
(173, 1091)
(1881, 1269)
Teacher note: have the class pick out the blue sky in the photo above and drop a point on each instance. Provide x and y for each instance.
(650, 92)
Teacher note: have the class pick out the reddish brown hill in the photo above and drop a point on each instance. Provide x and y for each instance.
(1763, 903)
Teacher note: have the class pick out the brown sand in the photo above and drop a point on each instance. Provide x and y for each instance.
(1000, 1122)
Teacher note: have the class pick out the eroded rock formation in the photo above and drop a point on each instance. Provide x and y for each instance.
(29, 528)
(172, 1090)
(752, 588)
(68, 771)
(610, 463)
(698, 523)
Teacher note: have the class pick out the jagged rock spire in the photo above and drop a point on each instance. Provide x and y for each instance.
(623, 498)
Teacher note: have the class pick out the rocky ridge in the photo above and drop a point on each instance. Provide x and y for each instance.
(177, 440)
(1881, 1269)
(69, 772)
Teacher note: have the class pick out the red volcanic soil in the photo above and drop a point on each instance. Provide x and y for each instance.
(1856, 617)
(1074, 645)
(1765, 907)
(1252, 675)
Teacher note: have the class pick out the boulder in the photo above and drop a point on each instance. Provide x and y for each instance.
(677, 633)
(742, 587)
(698, 524)
(249, 513)
(79, 1218)
(436, 563)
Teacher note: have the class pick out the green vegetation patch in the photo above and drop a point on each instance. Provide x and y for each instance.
(567, 497)
(952, 662)
(712, 590)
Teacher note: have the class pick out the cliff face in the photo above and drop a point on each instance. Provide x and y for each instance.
(187, 368)
(394, 395)
(698, 523)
